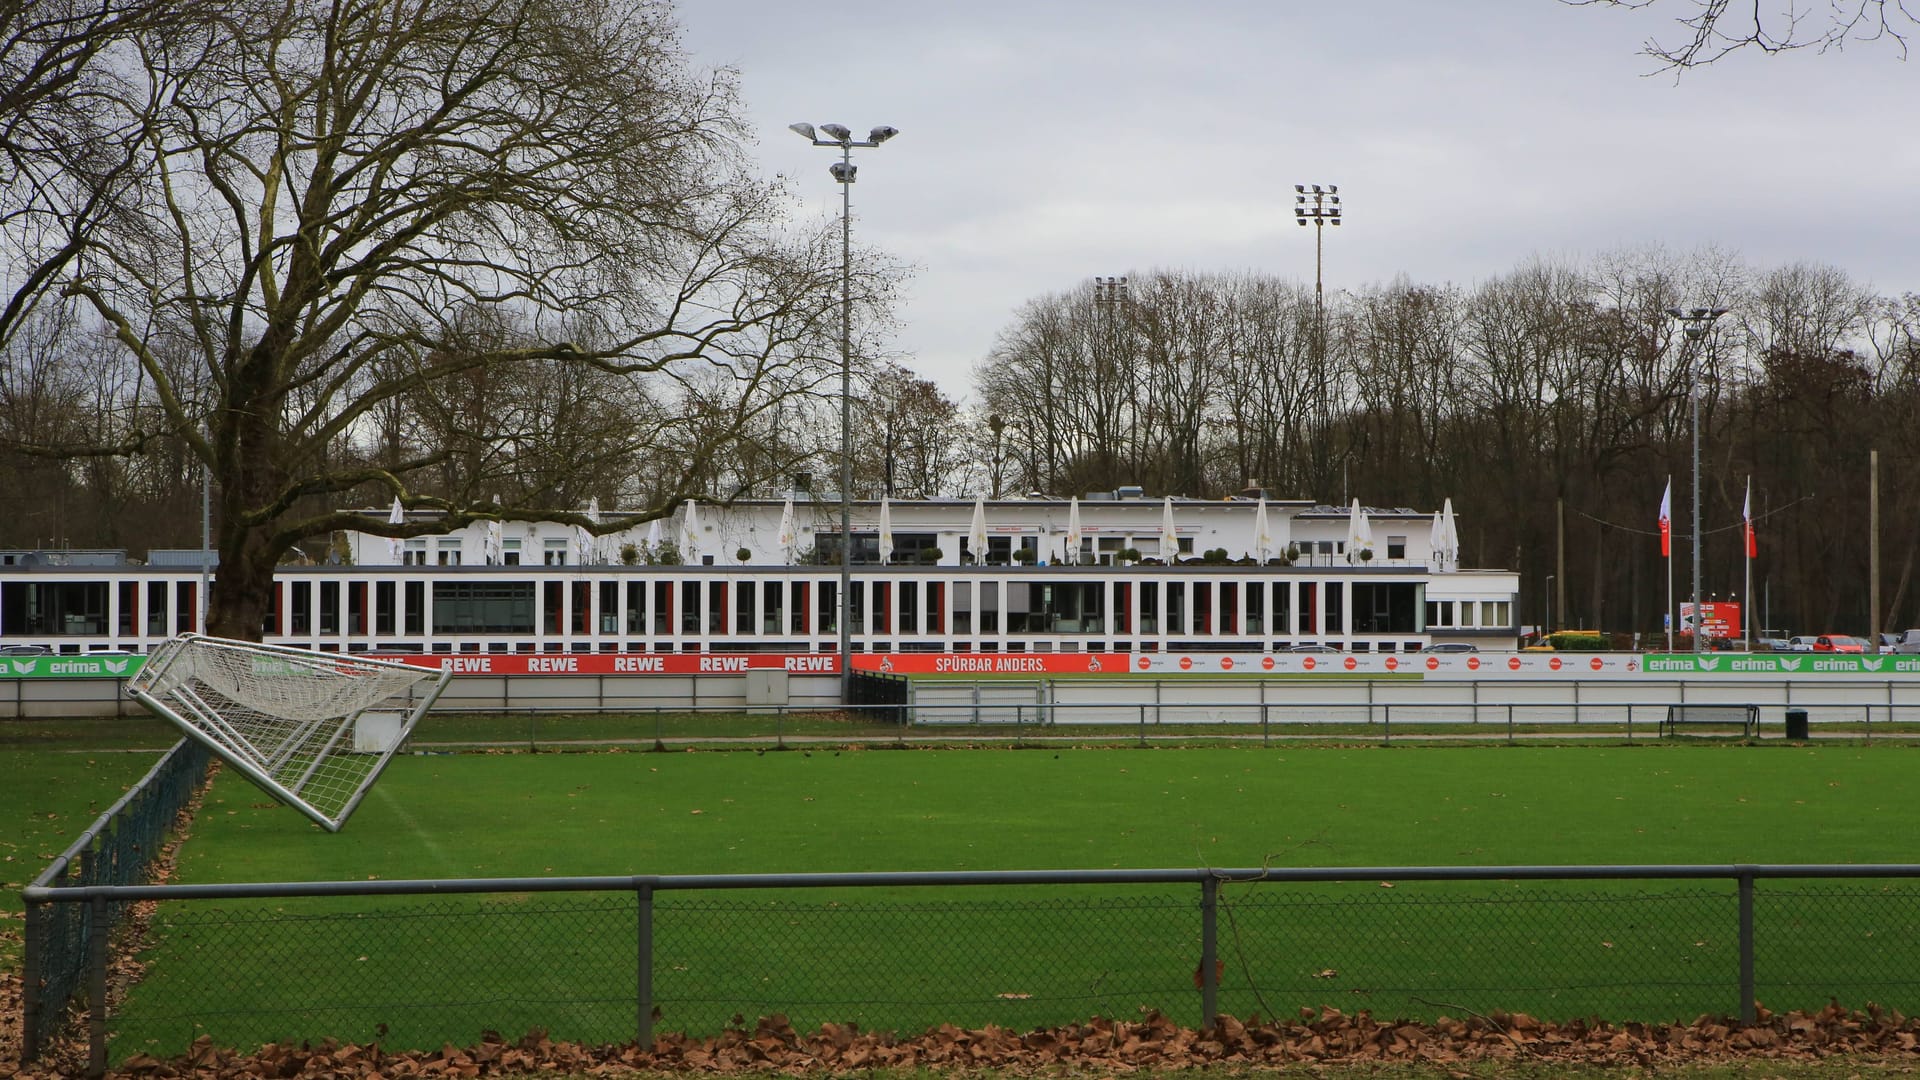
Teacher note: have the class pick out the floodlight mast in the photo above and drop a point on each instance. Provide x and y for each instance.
(1697, 323)
(843, 172)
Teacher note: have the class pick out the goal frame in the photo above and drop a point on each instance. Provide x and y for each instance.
(218, 734)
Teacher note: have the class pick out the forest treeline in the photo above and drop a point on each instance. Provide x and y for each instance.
(1551, 404)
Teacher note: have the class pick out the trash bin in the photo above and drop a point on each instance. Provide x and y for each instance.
(1796, 723)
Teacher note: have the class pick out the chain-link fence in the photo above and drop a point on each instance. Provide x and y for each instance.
(66, 941)
(612, 960)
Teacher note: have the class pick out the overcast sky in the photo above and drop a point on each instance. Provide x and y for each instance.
(1046, 142)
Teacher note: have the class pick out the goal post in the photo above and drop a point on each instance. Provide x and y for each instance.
(290, 719)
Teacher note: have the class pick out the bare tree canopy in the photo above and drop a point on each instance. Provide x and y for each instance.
(1557, 385)
(399, 248)
(1712, 29)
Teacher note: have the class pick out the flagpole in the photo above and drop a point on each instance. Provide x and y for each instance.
(1746, 541)
(1673, 615)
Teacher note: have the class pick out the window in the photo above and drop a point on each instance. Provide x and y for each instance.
(555, 553)
(510, 553)
(415, 553)
(504, 607)
(448, 550)
(1396, 547)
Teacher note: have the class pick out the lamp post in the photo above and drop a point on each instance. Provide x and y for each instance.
(1549, 632)
(1696, 322)
(841, 139)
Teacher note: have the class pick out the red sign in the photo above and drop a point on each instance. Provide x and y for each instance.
(1267, 662)
(995, 663)
(626, 663)
(1513, 663)
(1226, 663)
(1186, 663)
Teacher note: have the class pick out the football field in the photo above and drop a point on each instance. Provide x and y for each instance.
(416, 971)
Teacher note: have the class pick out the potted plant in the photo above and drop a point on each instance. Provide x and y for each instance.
(629, 554)
(743, 554)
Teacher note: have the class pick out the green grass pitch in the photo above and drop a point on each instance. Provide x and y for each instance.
(415, 972)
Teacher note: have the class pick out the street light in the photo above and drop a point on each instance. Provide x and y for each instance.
(841, 139)
(1696, 322)
(1549, 605)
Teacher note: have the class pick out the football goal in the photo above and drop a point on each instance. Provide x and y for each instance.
(314, 730)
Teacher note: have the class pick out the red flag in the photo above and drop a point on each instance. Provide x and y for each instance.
(1746, 515)
(1666, 522)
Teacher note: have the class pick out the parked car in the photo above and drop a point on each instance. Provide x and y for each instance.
(1313, 648)
(1909, 643)
(1451, 647)
(1773, 644)
(24, 650)
(1839, 643)
(1800, 644)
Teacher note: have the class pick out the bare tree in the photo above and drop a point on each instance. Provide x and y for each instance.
(326, 199)
(1714, 28)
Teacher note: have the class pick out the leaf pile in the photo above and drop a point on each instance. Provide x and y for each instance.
(1328, 1037)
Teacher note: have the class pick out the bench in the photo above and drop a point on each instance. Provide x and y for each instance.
(1747, 716)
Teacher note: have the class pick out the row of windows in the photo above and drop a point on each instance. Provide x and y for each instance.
(699, 607)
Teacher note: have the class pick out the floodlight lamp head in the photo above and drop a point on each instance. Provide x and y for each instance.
(838, 131)
(1701, 313)
(882, 134)
(1331, 188)
(1676, 313)
(1299, 187)
(843, 171)
(805, 130)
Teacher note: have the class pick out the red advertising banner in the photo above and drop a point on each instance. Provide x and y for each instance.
(992, 663)
(798, 663)
(622, 663)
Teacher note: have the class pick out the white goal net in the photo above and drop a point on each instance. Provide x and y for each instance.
(313, 729)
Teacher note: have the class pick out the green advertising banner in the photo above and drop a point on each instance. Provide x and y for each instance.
(1778, 664)
(70, 667)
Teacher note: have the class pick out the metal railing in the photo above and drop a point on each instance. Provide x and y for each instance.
(66, 944)
(610, 959)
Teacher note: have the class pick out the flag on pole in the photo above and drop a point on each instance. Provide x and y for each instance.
(1666, 521)
(1746, 515)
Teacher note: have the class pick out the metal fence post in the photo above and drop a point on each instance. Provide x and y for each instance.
(97, 986)
(1143, 725)
(30, 964)
(643, 969)
(1746, 947)
(1209, 952)
(1509, 723)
